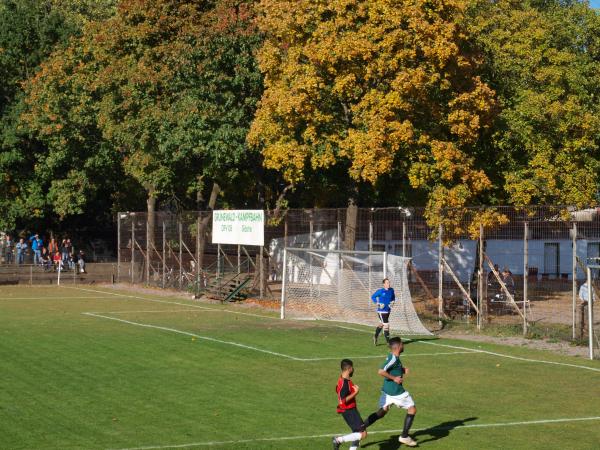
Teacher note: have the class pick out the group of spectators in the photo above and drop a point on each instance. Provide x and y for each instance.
(54, 256)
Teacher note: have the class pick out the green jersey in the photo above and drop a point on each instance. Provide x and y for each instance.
(393, 366)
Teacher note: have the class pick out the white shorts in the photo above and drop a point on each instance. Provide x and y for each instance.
(403, 400)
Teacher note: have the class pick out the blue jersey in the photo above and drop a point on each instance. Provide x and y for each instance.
(383, 298)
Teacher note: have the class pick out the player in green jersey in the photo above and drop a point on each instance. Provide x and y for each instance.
(393, 392)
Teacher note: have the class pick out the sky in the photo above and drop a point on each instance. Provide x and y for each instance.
(595, 3)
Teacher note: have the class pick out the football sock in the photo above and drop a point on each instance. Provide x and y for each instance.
(374, 417)
(355, 445)
(377, 331)
(387, 335)
(349, 438)
(408, 421)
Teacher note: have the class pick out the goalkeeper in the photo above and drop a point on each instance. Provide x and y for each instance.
(384, 298)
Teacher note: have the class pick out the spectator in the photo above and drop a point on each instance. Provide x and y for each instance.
(36, 245)
(45, 259)
(72, 260)
(508, 280)
(8, 250)
(81, 261)
(52, 247)
(21, 249)
(65, 249)
(57, 259)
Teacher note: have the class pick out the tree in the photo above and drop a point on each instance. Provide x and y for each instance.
(543, 59)
(165, 89)
(387, 90)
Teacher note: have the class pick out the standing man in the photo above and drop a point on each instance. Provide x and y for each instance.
(36, 245)
(384, 298)
(8, 255)
(21, 249)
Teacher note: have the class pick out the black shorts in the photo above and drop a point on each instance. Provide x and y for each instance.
(384, 317)
(354, 421)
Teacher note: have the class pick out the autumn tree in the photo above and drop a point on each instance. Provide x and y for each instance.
(543, 59)
(386, 87)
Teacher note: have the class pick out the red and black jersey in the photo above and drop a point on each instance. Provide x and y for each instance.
(344, 388)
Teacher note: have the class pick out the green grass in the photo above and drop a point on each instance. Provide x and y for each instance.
(71, 380)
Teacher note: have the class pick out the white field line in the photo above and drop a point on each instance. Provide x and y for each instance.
(320, 436)
(197, 336)
(205, 308)
(146, 311)
(518, 358)
(382, 356)
(54, 298)
(247, 347)
(540, 361)
(487, 352)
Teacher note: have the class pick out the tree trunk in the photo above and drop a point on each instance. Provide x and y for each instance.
(216, 189)
(350, 229)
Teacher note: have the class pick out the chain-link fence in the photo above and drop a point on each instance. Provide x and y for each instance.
(524, 268)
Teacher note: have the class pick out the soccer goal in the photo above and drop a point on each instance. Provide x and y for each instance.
(337, 285)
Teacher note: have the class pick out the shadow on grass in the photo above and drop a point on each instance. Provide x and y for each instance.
(435, 433)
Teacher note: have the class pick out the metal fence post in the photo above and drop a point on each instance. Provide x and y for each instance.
(404, 239)
(180, 255)
(262, 272)
(198, 268)
(525, 274)
(590, 302)
(482, 287)
(164, 253)
(148, 250)
(440, 274)
(283, 283)
(574, 276)
(118, 247)
(132, 248)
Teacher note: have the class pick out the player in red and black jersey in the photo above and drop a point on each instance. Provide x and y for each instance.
(346, 393)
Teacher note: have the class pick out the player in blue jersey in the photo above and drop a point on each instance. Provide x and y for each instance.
(384, 298)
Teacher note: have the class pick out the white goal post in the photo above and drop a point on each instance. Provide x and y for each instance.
(337, 285)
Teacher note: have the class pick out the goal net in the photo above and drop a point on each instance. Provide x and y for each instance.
(337, 285)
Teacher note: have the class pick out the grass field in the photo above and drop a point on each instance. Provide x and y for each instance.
(95, 368)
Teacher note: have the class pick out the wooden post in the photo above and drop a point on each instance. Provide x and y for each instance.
(440, 274)
(118, 247)
(239, 260)
(132, 248)
(574, 306)
(30, 275)
(180, 255)
(164, 254)
(525, 274)
(339, 235)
